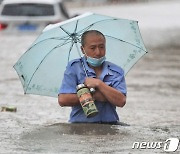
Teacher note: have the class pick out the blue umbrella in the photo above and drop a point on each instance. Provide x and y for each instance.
(42, 66)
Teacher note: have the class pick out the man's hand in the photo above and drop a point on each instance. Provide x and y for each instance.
(91, 82)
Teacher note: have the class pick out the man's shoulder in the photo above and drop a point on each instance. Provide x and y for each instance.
(73, 62)
(114, 67)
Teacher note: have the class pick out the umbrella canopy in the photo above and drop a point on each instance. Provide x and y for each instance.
(42, 66)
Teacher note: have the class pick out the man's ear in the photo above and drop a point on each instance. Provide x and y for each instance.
(82, 49)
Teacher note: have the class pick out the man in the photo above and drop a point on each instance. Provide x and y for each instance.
(105, 77)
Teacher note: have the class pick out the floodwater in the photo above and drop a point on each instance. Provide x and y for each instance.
(151, 114)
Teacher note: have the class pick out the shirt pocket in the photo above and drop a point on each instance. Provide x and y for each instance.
(82, 76)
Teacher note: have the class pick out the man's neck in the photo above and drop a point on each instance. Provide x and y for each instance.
(97, 70)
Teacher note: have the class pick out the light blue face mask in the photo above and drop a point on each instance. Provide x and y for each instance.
(95, 62)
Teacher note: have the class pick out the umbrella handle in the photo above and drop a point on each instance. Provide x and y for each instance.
(92, 90)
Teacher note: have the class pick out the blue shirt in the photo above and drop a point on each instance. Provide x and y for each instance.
(111, 75)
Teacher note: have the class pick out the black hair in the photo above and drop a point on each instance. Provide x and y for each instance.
(83, 37)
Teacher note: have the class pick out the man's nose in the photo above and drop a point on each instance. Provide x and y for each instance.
(98, 52)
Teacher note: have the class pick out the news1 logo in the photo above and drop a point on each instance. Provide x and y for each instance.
(170, 145)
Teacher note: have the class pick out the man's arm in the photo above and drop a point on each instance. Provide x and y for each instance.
(111, 94)
(68, 99)
(98, 96)
(72, 99)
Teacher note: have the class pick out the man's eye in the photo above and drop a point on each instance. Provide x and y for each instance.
(101, 46)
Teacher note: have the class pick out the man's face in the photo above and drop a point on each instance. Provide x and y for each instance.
(95, 46)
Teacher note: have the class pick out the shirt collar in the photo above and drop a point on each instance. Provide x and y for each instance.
(106, 68)
(89, 69)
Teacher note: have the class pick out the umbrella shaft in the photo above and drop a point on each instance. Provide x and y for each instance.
(92, 90)
(81, 60)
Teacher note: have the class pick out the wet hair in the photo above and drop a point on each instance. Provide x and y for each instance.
(84, 35)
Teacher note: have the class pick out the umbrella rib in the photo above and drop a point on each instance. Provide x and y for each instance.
(70, 50)
(126, 42)
(72, 35)
(69, 34)
(76, 26)
(53, 38)
(87, 28)
(82, 31)
(43, 60)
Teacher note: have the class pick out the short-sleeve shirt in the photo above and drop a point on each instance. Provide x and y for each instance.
(111, 75)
